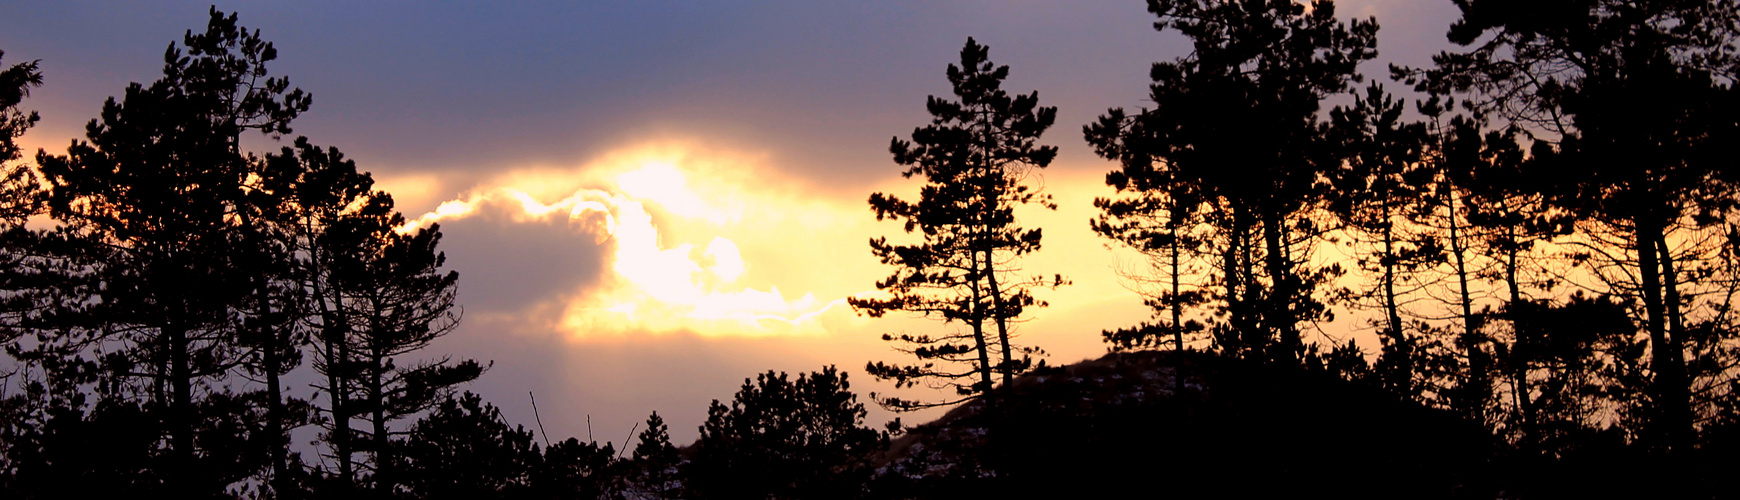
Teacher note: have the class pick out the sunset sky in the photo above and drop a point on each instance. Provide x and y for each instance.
(648, 201)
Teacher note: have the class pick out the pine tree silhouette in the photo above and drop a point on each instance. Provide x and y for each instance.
(463, 449)
(974, 157)
(655, 458)
(153, 189)
(1381, 183)
(1636, 95)
(1235, 126)
(318, 186)
(395, 301)
(785, 438)
(19, 194)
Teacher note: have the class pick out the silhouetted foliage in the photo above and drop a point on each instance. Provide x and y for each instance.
(1551, 256)
(64, 451)
(975, 158)
(181, 260)
(463, 449)
(320, 185)
(655, 459)
(29, 264)
(1616, 121)
(19, 194)
(784, 438)
(1638, 97)
(1381, 183)
(395, 301)
(572, 469)
(155, 190)
(1235, 129)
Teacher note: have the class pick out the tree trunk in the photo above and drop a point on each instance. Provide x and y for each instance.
(270, 357)
(274, 402)
(383, 456)
(377, 377)
(160, 392)
(333, 333)
(181, 408)
(1519, 390)
(998, 314)
(1403, 380)
(1476, 385)
(1662, 363)
(1676, 388)
(1177, 307)
(988, 201)
(1253, 340)
(1512, 251)
(1229, 265)
(989, 176)
(337, 355)
(1280, 314)
(977, 322)
(1521, 365)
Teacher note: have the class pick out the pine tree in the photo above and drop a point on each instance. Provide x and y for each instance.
(786, 438)
(19, 194)
(463, 449)
(1160, 214)
(573, 469)
(271, 313)
(975, 157)
(319, 185)
(655, 458)
(28, 269)
(1237, 121)
(370, 294)
(1491, 206)
(1637, 96)
(155, 189)
(394, 301)
(1381, 183)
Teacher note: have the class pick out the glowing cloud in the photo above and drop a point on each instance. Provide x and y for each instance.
(658, 281)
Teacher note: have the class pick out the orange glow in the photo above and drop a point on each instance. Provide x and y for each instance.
(675, 261)
(721, 244)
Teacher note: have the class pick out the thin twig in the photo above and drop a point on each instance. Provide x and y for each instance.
(631, 429)
(541, 420)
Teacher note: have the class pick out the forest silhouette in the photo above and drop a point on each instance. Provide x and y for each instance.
(1546, 241)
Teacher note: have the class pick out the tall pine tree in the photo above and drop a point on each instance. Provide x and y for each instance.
(395, 300)
(156, 189)
(1636, 95)
(975, 157)
(1236, 121)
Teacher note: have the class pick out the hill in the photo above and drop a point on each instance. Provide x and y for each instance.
(1119, 425)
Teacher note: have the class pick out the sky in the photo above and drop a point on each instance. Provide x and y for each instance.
(649, 201)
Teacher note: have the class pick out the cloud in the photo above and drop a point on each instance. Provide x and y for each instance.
(675, 238)
(659, 275)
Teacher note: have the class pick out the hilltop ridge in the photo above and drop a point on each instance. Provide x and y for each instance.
(1117, 424)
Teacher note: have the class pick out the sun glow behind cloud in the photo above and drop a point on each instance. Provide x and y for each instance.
(692, 244)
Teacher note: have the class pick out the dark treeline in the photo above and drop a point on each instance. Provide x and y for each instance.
(1542, 236)
(1544, 242)
(152, 322)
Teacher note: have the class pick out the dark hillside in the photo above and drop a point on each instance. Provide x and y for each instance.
(1114, 425)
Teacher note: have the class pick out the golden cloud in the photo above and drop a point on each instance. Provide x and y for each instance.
(692, 244)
